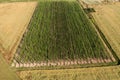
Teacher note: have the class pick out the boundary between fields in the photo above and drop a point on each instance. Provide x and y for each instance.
(117, 62)
(18, 42)
(58, 64)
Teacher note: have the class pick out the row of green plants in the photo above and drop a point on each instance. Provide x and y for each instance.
(60, 30)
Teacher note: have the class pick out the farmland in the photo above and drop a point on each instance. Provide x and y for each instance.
(14, 18)
(107, 17)
(64, 18)
(61, 32)
(96, 73)
(5, 72)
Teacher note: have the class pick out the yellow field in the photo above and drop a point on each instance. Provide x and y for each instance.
(108, 20)
(98, 73)
(6, 72)
(14, 19)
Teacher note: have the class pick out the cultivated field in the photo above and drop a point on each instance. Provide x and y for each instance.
(108, 20)
(9, 1)
(91, 1)
(64, 35)
(97, 73)
(14, 18)
(5, 72)
(61, 34)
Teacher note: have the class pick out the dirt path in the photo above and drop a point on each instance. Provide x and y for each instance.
(14, 19)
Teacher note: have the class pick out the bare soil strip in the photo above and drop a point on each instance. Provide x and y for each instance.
(59, 63)
(14, 19)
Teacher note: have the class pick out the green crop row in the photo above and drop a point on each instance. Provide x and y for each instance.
(60, 30)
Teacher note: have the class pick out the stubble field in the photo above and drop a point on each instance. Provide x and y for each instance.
(108, 20)
(14, 19)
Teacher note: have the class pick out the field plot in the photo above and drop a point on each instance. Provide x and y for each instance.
(7, 1)
(92, 1)
(97, 73)
(61, 34)
(14, 18)
(108, 20)
(5, 72)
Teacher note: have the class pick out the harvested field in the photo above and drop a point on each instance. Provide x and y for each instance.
(97, 73)
(91, 1)
(14, 19)
(5, 72)
(60, 31)
(108, 20)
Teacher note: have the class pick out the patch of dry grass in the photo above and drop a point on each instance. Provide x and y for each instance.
(97, 73)
(14, 18)
(108, 19)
